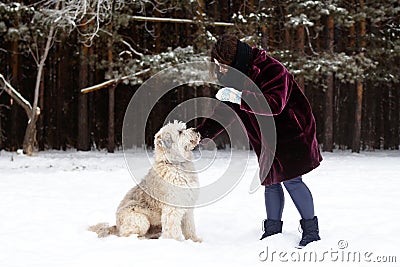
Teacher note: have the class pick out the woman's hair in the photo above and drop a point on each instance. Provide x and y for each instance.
(224, 50)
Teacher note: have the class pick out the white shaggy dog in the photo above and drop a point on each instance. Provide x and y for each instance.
(161, 204)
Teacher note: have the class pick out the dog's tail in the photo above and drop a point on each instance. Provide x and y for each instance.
(103, 229)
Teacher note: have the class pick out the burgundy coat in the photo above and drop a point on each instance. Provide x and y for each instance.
(297, 151)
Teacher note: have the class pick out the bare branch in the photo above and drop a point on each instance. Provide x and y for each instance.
(33, 55)
(125, 43)
(111, 82)
(49, 42)
(4, 106)
(78, 13)
(309, 41)
(131, 48)
(174, 20)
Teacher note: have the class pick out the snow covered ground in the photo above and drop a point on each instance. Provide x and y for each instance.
(47, 201)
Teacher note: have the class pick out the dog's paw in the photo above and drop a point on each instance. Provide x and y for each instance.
(196, 239)
(169, 236)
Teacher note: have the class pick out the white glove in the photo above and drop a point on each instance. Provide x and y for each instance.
(229, 94)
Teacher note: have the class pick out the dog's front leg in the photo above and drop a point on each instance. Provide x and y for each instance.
(188, 227)
(171, 223)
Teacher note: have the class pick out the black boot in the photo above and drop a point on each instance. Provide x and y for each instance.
(271, 227)
(310, 231)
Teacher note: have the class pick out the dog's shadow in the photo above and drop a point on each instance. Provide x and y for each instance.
(154, 232)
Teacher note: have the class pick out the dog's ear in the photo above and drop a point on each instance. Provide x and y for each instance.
(167, 140)
(164, 140)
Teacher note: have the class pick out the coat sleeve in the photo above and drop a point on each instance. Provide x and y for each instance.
(275, 84)
(213, 125)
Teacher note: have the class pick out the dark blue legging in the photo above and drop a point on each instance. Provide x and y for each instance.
(298, 191)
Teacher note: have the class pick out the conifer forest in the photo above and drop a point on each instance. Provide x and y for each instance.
(344, 53)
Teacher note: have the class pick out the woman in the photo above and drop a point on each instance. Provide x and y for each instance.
(297, 150)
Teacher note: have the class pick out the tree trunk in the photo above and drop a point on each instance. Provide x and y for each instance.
(14, 144)
(360, 88)
(30, 133)
(380, 119)
(40, 132)
(93, 77)
(1, 132)
(111, 120)
(398, 122)
(337, 114)
(30, 136)
(111, 97)
(157, 33)
(357, 120)
(83, 123)
(328, 123)
(61, 68)
(300, 51)
(287, 31)
(389, 119)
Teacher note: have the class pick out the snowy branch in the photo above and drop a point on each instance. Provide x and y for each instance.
(16, 96)
(76, 14)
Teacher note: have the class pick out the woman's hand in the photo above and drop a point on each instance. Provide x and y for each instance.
(229, 94)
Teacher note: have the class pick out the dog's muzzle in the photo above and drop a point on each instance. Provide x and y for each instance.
(196, 140)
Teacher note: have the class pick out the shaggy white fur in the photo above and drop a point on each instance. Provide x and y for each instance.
(161, 204)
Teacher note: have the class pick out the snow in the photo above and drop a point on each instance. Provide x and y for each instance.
(48, 200)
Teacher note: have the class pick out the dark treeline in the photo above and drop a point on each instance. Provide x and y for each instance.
(345, 54)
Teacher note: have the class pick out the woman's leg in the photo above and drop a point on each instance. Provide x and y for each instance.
(301, 197)
(274, 201)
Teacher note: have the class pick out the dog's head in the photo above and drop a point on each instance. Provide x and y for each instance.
(174, 143)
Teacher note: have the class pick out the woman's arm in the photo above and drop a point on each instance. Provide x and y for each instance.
(221, 118)
(275, 84)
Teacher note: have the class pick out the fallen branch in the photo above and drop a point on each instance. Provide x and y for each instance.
(173, 20)
(111, 82)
